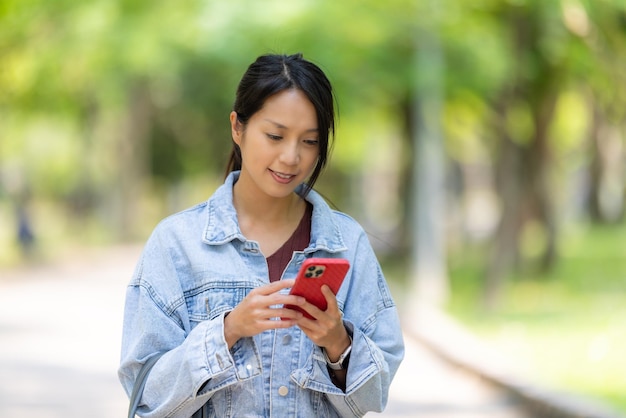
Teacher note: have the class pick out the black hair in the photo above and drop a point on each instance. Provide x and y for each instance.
(271, 74)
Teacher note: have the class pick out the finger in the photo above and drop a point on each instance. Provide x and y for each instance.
(284, 323)
(312, 310)
(273, 287)
(287, 314)
(269, 314)
(289, 300)
(331, 299)
(273, 324)
(307, 325)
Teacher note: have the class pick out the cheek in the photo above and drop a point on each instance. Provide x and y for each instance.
(311, 160)
(251, 149)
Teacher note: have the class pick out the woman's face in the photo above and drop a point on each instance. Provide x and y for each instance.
(279, 146)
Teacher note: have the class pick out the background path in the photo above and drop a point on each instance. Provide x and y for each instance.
(60, 329)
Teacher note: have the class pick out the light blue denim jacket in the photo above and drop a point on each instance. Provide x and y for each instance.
(196, 267)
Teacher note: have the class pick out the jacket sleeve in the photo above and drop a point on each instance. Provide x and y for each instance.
(196, 362)
(370, 315)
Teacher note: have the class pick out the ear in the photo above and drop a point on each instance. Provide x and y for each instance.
(236, 128)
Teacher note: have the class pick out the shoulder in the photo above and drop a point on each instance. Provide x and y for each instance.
(218, 205)
(345, 219)
(186, 220)
(347, 224)
(172, 234)
(322, 210)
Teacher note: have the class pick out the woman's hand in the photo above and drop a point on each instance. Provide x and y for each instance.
(327, 329)
(255, 313)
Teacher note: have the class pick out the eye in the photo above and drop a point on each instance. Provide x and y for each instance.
(311, 141)
(274, 137)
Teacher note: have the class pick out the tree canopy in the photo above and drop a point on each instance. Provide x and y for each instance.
(104, 103)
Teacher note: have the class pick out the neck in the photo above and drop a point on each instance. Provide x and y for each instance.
(267, 209)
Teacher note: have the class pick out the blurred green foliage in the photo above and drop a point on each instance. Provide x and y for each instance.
(114, 113)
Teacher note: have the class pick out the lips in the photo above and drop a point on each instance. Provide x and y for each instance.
(282, 177)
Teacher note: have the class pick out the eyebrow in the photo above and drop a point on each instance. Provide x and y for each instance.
(281, 126)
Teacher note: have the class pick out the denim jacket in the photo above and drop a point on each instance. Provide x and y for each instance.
(197, 266)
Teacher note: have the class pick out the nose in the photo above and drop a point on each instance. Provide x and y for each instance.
(290, 153)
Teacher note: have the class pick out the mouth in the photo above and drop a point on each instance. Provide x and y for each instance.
(282, 177)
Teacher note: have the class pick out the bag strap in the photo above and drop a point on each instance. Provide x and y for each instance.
(140, 383)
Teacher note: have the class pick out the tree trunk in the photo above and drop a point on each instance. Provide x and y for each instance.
(539, 160)
(522, 167)
(132, 170)
(606, 197)
(595, 167)
(509, 172)
(428, 269)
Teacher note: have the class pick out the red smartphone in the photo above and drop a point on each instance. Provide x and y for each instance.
(314, 273)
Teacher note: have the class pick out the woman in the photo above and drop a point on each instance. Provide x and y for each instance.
(213, 280)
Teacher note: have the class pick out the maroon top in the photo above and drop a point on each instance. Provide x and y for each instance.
(298, 241)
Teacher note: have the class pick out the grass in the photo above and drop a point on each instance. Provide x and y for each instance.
(567, 326)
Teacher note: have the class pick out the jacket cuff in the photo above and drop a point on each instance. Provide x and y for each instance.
(228, 366)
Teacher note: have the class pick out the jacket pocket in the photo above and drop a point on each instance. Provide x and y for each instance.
(213, 297)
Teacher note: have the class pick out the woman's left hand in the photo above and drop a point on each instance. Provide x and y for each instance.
(327, 329)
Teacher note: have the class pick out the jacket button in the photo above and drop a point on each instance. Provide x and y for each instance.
(283, 391)
(286, 339)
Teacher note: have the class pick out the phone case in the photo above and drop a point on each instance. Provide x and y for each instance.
(314, 273)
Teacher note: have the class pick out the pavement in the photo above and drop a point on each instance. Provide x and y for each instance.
(60, 329)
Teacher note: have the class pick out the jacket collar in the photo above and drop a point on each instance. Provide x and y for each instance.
(222, 224)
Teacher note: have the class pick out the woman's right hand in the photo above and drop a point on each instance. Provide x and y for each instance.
(255, 313)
